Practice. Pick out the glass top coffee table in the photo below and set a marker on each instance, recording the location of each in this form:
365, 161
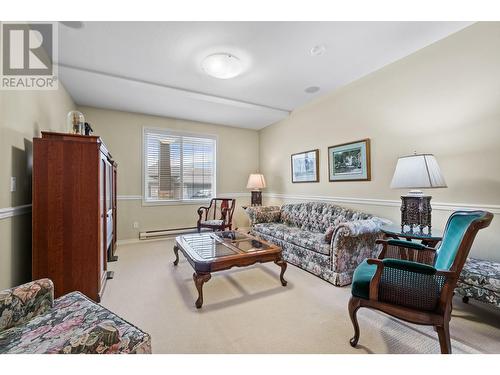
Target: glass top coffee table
218, 251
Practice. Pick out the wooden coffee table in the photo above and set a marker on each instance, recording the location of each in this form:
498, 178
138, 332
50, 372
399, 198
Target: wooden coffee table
218, 251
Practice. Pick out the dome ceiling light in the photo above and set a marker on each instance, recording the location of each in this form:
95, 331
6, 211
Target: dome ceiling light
312, 89
318, 50
222, 65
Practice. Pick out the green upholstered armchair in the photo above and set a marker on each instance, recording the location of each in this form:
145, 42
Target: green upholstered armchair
414, 282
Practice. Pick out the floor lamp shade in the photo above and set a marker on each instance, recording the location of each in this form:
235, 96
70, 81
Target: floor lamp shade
256, 182
419, 171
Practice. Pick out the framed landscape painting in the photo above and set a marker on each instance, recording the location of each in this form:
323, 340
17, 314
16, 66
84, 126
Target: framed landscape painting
349, 161
305, 166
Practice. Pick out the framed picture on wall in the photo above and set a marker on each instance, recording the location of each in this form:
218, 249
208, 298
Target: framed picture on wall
305, 166
349, 161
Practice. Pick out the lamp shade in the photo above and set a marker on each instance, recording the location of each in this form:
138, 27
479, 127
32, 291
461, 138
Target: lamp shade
419, 171
256, 181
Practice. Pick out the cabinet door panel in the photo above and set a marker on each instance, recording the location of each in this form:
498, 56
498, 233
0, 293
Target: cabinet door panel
102, 215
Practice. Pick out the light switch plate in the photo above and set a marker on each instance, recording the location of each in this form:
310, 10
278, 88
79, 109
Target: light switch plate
136, 225
13, 184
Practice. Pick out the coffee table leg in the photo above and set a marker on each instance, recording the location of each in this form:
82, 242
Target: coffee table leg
199, 280
176, 252
280, 262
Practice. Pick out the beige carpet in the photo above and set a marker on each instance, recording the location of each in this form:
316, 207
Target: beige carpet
246, 310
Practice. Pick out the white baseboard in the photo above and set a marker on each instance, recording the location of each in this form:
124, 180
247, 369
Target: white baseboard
127, 241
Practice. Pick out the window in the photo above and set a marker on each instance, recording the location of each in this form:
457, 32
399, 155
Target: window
178, 167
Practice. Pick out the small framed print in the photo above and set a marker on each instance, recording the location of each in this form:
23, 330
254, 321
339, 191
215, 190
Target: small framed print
305, 166
349, 161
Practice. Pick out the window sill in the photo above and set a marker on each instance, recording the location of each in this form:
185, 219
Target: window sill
193, 202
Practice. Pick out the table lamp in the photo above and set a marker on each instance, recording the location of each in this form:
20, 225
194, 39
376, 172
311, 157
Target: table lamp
418, 171
256, 182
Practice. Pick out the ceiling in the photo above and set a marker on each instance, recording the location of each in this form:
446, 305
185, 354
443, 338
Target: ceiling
155, 67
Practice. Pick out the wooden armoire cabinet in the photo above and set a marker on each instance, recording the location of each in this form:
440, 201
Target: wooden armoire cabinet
74, 212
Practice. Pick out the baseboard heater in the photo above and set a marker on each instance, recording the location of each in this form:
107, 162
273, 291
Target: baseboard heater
150, 234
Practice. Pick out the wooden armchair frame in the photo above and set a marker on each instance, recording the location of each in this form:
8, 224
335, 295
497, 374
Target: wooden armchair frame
440, 317
227, 206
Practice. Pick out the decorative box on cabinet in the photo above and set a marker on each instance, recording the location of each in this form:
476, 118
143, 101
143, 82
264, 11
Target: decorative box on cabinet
74, 211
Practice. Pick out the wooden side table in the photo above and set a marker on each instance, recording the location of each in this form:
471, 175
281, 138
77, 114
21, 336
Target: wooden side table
431, 239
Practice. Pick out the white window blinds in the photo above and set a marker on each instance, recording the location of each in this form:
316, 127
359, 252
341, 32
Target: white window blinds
178, 166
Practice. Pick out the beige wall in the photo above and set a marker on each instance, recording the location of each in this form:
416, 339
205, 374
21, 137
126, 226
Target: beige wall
237, 157
23, 114
443, 99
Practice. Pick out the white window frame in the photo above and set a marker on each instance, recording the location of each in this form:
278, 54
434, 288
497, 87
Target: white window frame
176, 202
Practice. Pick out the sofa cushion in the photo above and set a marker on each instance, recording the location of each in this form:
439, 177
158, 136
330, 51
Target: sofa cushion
318, 216
293, 214
92, 339
310, 240
276, 230
75, 325
361, 280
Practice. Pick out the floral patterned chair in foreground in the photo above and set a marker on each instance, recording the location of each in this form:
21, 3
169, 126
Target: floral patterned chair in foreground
414, 282
32, 322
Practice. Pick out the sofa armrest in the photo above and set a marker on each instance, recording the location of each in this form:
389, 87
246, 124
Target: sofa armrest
353, 242
263, 214
20, 304
359, 227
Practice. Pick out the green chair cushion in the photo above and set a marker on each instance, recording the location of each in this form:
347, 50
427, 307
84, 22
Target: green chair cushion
361, 280
408, 265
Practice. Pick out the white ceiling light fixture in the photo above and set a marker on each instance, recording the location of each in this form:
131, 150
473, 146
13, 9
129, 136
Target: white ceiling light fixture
318, 50
222, 65
312, 89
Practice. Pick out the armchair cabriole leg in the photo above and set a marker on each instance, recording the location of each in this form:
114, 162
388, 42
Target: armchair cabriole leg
444, 337
354, 305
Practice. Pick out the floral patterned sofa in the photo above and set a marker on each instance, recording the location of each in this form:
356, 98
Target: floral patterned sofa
324, 239
32, 322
